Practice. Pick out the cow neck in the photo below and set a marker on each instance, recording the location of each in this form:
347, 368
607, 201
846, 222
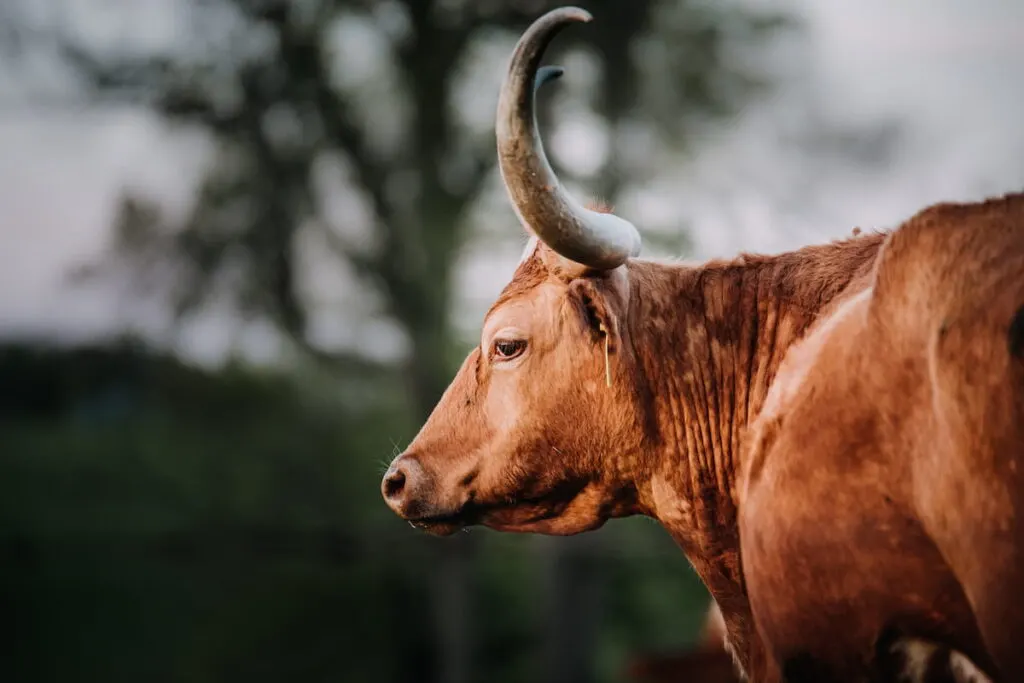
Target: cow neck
710, 340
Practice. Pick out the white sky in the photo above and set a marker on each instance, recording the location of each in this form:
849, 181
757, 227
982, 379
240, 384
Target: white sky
949, 70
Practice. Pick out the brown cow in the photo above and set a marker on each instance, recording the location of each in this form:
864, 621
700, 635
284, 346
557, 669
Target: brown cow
902, 413
605, 386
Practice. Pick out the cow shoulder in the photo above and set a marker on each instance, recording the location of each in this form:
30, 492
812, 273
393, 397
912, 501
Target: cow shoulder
946, 260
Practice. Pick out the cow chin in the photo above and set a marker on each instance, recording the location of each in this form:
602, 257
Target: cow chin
565, 512
438, 528
509, 517
561, 525
564, 517
444, 523
554, 526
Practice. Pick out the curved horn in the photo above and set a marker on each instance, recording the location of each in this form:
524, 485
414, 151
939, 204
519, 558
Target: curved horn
597, 240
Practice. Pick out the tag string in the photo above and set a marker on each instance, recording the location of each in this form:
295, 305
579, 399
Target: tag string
607, 362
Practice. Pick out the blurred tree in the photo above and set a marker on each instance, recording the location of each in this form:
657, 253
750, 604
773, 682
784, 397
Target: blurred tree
340, 143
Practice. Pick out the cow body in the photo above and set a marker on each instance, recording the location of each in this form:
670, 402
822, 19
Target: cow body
715, 352
881, 485
829, 434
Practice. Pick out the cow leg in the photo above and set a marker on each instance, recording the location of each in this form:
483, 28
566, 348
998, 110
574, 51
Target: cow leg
908, 659
969, 487
980, 541
1001, 621
899, 659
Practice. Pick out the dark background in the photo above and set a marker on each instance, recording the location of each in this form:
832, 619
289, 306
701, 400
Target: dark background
166, 519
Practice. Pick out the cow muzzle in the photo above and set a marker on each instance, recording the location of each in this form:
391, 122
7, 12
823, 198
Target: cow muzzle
410, 492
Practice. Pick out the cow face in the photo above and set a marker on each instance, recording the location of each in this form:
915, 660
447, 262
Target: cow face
538, 430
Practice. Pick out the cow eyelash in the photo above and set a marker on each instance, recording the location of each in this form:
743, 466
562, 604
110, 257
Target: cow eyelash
507, 349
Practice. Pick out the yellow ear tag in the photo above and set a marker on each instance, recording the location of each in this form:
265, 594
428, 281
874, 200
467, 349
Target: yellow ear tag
607, 363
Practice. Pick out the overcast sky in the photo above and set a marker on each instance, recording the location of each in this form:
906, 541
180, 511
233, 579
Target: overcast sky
948, 71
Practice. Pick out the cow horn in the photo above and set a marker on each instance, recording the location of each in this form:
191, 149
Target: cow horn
597, 240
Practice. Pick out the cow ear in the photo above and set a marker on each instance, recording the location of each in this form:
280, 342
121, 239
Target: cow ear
596, 311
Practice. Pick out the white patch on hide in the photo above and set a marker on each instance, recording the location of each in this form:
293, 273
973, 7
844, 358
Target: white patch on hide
918, 655
964, 669
671, 509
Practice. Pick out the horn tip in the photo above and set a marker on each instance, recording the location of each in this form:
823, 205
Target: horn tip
573, 14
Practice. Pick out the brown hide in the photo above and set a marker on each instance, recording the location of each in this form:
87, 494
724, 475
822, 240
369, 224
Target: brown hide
882, 484
879, 489
546, 446
542, 444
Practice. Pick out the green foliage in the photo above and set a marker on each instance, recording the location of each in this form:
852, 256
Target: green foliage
164, 523
227, 527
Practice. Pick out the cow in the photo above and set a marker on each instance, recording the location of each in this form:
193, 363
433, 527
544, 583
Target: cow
904, 406
738, 402
903, 660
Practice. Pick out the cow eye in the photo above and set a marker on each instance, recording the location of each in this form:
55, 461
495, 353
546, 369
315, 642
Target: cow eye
507, 349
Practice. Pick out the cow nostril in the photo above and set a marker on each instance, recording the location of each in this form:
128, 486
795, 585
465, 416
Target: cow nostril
402, 486
394, 483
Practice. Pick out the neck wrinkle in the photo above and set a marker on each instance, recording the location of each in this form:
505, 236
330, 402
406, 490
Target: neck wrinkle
709, 340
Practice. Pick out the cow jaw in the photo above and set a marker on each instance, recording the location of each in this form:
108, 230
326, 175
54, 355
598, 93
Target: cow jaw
586, 511
569, 510
438, 527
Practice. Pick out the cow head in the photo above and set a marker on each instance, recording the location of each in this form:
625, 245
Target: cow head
540, 430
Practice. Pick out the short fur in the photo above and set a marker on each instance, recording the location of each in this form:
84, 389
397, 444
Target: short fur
878, 489
903, 413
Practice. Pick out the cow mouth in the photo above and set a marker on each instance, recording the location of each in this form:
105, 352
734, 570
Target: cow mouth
441, 525
517, 514
508, 515
447, 522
